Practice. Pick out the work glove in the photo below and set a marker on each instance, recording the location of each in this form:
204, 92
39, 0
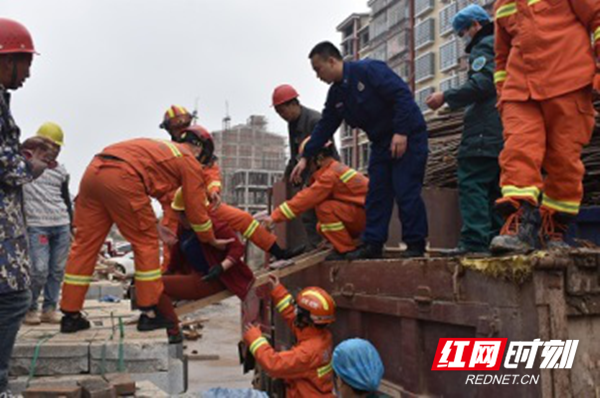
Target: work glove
214, 273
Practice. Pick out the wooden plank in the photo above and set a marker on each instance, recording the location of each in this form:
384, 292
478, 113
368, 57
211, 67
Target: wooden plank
301, 263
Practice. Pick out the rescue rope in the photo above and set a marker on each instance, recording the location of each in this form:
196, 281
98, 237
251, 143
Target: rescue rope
36, 354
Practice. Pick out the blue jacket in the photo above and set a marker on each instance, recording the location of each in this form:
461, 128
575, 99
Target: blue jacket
373, 98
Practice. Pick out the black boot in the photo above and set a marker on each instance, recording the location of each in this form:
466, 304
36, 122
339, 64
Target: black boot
554, 228
520, 231
285, 254
147, 323
335, 256
72, 322
414, 249
365, 252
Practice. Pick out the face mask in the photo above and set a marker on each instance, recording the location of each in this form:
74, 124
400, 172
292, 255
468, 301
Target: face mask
466, 39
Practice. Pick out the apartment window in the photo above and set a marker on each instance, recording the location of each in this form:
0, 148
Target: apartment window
379, 5
379, 25
380, 52
397, 13
423, 6
347, 155
451, 82
364, 155
424, 67
397, 44
421, 96
449, 55
463, 3
446, 15
463, 77
424, 33
346, 131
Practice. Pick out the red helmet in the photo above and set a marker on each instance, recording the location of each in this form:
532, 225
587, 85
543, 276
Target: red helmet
15, 38
318, 303
176, 116
198, 135
283, 94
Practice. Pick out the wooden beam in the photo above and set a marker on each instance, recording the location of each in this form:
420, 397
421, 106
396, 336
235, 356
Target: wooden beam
262, 278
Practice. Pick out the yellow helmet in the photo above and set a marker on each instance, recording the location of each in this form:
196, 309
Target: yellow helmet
178, 204
53, 132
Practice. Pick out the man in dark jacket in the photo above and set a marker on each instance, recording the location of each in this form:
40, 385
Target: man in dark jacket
301, 122
367, 94
478, 169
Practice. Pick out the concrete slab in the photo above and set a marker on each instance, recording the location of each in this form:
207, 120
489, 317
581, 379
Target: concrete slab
147, 389
140, 356
55, 358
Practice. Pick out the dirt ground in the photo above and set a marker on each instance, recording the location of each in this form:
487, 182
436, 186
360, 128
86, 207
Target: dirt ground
220, 336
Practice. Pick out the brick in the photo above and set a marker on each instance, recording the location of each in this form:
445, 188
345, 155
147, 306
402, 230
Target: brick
52, 392
122, 382
97, 387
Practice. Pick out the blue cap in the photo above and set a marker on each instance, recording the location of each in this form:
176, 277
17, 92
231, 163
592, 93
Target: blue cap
358, 364
465, 17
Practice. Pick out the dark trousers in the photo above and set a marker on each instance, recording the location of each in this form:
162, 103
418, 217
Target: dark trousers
13, 307
478, 189
402, 180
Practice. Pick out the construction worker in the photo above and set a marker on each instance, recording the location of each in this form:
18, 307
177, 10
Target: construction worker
19, 165
481, 143
357, 369
545, 68
306, 368
115, 189
301, 122
239, 220
337, 193
367, 94
199, 270
48, 210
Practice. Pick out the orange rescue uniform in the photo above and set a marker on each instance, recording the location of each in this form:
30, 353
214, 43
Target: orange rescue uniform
338, 194
116, 188
306, 368
545, 68
239, 220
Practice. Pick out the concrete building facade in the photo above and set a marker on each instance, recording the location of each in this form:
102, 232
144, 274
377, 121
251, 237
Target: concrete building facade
251, 160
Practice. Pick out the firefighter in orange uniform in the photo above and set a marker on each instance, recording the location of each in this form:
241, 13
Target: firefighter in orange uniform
115, 189
239, 220
545, 68
306, 368
338, 194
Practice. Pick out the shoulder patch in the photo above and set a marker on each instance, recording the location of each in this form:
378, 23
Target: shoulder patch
478, 64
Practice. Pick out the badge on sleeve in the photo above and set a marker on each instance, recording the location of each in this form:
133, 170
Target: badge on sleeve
361, 86
478, 64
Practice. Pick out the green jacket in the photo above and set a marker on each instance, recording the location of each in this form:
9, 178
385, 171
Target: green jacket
482, 134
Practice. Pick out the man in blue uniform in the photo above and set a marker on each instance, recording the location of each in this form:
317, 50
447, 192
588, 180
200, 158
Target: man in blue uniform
367, 94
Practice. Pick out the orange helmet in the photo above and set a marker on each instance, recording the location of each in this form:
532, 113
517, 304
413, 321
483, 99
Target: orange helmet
283, 94
327, 145
176, 116
15, 38
318, 303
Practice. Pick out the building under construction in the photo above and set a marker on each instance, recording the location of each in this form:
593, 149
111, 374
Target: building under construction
251, 160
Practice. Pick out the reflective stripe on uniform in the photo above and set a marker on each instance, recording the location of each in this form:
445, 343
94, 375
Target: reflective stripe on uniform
285, 209
597, 34
348, 175
562, 206
530, 192
251, 229
284, 303
333, 227
322, 371
319, 297
147, 276
176, 152
500, 76
214, 184
532, 2
202, 227
257, 344
79, 280
506, 10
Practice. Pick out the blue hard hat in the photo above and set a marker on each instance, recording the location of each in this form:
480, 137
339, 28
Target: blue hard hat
357, 363
465, 17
